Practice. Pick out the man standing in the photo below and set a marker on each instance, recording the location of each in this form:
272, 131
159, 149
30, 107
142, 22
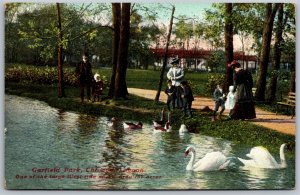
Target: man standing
85, 76
176, 75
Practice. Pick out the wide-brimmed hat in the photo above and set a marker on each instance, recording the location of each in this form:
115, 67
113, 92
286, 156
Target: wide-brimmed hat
174, 60
234, 64
96, 77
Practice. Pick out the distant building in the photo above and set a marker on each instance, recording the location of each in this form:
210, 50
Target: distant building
198, 57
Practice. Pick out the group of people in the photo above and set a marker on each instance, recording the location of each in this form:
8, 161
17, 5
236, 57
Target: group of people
239, 99
179, 92
87, 80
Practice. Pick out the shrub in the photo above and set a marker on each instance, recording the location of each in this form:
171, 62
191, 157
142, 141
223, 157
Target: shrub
212, 82
42, 75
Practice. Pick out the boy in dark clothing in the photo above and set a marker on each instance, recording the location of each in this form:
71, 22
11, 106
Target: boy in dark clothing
97, 87
85, 76
188, 98
219, 97
171, 93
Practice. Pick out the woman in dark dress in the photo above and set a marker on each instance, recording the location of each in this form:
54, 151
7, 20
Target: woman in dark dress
244, 101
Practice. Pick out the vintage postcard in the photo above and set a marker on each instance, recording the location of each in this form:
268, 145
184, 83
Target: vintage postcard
150, 96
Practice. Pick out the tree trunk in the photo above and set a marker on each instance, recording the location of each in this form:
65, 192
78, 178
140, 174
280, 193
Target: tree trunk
116, 9
61, 91
228, 46
271, 96
293, 77
265, 51
165, 57
120, 81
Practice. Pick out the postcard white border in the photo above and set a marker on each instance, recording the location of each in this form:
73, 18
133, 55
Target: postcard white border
175, 192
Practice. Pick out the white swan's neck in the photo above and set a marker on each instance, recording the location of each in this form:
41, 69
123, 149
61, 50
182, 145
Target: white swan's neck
192, 160
282, 156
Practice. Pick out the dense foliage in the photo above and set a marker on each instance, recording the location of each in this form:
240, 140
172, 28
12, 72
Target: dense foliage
42, 75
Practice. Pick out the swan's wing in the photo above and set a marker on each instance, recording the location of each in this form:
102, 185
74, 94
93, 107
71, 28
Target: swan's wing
262, 158
247, 163
210, 162
223, 166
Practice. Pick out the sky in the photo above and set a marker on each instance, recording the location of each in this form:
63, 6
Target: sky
191, 9
188, 9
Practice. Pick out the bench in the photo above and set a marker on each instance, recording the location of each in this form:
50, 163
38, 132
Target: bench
290, 102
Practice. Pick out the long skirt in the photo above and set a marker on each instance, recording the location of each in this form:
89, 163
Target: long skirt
244, 107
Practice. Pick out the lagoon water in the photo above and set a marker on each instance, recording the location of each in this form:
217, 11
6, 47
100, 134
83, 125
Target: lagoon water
47, 148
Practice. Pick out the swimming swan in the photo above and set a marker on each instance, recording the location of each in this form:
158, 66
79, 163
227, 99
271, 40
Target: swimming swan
261, 158
212, 161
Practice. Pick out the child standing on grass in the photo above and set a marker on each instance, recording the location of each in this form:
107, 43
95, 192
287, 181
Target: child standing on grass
219, 102
188, 98
230, 101
171, 93
97, 87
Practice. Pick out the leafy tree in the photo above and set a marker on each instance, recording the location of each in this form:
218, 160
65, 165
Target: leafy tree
116, 10
216, 61
183, 31
120, 82
214, 25
277, 56
289, 42
143, 32
228, 45
13, 47
61, 90
265, 50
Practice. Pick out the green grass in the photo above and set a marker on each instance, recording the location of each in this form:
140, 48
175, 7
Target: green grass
149, 79
146, 79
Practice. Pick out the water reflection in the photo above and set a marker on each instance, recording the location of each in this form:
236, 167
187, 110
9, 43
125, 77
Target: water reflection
41, 136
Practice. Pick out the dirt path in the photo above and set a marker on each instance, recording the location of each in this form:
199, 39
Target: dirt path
267, 119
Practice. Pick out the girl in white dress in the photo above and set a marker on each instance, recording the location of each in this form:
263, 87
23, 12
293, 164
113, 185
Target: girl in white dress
230, 101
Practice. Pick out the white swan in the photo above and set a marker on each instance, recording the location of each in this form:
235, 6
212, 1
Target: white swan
212, 161
261, 158
182, 129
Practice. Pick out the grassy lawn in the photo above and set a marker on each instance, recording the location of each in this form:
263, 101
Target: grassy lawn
149, 79
146, 79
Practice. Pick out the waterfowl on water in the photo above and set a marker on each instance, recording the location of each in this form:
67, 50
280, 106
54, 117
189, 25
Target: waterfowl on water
112, 122
130, 125
260, 157
166, 128
161, 122
212, 161
183, 129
